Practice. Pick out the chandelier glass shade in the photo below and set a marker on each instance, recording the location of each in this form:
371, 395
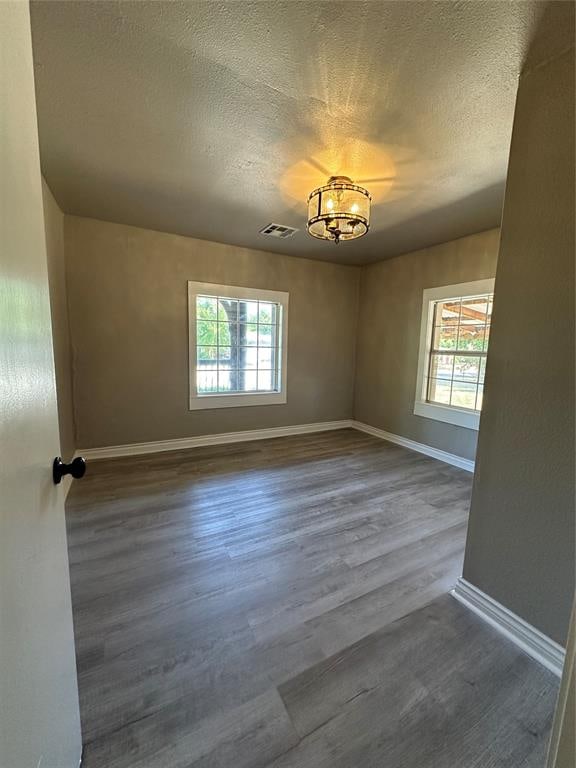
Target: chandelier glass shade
340, 210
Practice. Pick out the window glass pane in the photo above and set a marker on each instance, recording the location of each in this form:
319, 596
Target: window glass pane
463, 394
265, 335
445, 337
265, 380
225, 380
206, 333
250, 379
471, 337
266, 312
207, 354
224, 356
248, 334
460, 325
439, 391
448, 312
228, 310
237, 380
266, 357
441, 366
248, 311
225, 333
206, 308
474, 310
466, 368
482, 369
237, 345
247, 357
207, 381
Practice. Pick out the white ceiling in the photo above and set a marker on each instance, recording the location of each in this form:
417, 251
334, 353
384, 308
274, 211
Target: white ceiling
212, 119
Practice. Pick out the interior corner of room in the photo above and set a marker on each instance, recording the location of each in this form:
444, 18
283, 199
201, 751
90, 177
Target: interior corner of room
299, 449
120, 316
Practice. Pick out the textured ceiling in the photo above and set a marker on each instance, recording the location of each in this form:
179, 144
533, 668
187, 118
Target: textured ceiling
212, 119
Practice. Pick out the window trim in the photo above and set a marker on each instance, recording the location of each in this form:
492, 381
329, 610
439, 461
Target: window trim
235, 399
450, 414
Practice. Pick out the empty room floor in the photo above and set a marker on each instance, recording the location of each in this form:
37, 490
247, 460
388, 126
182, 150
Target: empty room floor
284, 604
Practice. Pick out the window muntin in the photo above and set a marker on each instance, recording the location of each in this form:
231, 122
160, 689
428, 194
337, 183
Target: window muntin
237, 341
457, 358
237, 345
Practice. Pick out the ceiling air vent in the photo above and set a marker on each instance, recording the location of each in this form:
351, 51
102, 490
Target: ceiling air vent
278, 230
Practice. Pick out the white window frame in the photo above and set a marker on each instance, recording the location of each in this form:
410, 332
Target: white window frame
236, 399
451, 414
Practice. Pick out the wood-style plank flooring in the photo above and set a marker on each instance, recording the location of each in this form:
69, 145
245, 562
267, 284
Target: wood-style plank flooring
283, 604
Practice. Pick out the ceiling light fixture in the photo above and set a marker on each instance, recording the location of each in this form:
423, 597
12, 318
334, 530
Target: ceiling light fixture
340, 210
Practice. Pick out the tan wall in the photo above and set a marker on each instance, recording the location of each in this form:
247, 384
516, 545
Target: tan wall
54, 228
389, 336
520, 547
128, 318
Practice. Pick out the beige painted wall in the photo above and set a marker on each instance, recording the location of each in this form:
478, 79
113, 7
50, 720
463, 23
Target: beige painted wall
54, 228
39, 715
389, 336
128, 319
520, 547
129, 284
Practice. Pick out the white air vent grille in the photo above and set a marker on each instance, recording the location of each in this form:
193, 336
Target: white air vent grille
278, 230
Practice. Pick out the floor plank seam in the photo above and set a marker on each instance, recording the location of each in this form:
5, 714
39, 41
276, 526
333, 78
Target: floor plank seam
285, 605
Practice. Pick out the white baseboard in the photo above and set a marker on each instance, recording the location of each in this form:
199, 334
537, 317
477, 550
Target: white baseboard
179, 444
136, 449
524, 635
435, 453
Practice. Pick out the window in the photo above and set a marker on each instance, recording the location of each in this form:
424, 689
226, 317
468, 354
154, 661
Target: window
237, 346
453, 345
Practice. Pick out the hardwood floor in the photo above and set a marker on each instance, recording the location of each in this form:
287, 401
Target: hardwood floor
282, 604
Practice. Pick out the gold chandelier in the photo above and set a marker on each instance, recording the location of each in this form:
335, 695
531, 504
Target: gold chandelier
340, 210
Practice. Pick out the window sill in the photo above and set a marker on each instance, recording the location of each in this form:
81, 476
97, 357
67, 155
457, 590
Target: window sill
448, 414
209, 402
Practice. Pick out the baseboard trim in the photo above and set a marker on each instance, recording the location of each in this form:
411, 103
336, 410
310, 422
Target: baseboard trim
158, 446
179, 444
428, 450
524, 635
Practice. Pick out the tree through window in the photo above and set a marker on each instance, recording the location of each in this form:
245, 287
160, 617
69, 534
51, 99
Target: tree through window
238, 344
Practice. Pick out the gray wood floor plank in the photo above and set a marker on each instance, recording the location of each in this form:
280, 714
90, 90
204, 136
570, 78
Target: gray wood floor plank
283, 603
387, 700
246, 736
